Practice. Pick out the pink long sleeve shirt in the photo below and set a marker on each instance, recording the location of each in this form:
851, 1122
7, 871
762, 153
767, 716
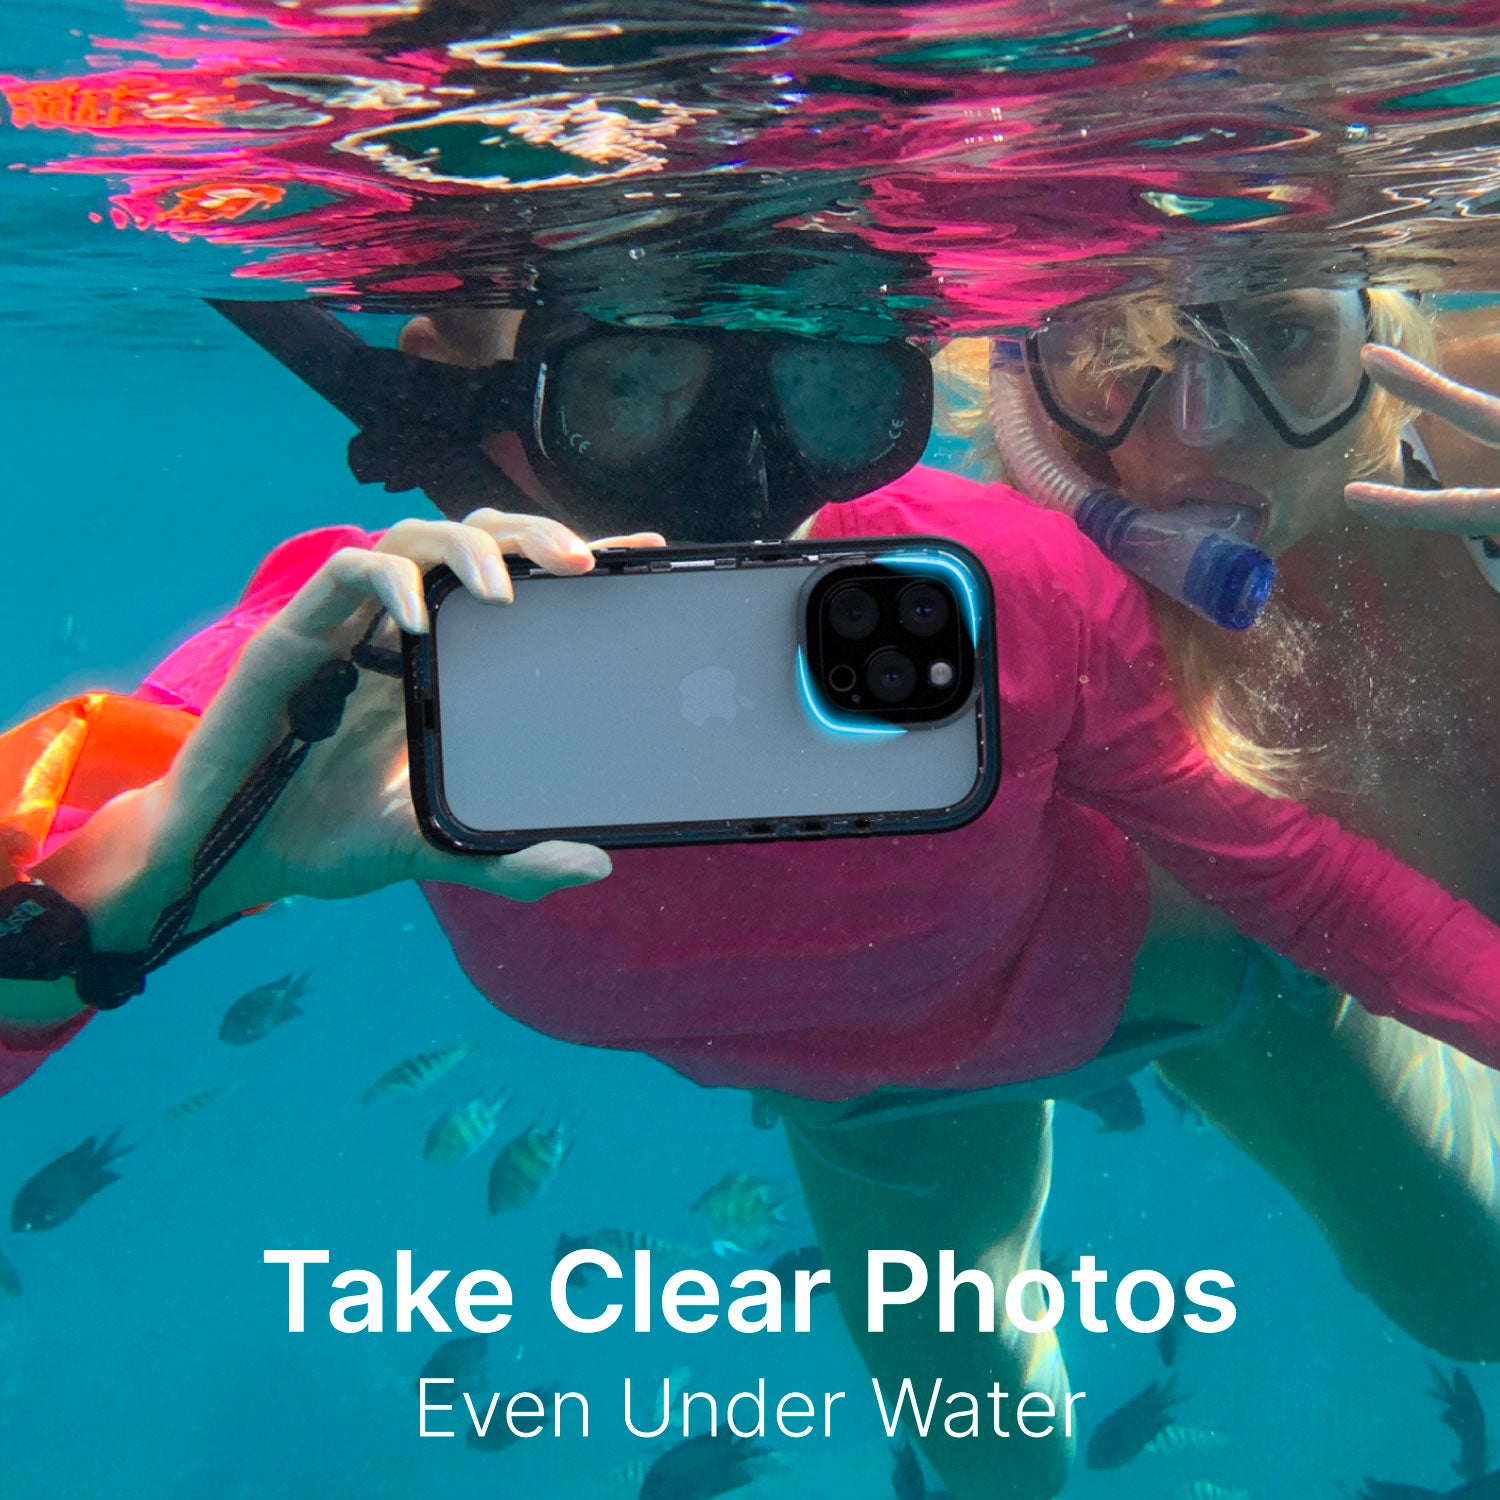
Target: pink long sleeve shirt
999, 952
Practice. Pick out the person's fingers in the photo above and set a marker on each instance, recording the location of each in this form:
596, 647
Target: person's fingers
348, 581
1463, 512
548, 543
475, 549
630, 539
248, 715
470, 551
1473, 412
525, 876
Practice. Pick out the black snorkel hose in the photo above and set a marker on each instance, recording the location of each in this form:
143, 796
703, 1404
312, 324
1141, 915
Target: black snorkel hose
420, 422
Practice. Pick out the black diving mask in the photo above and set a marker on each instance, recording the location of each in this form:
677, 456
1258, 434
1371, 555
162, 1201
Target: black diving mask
1293, 356
703, 434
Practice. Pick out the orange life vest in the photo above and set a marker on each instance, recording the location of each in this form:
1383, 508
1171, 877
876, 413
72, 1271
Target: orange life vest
78, 754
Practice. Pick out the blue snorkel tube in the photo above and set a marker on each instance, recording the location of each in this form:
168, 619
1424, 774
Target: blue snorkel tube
1215, 573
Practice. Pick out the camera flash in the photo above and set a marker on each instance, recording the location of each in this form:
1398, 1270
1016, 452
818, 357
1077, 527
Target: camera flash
940, 674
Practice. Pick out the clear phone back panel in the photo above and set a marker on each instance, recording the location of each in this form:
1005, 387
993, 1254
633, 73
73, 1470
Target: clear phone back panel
650, 698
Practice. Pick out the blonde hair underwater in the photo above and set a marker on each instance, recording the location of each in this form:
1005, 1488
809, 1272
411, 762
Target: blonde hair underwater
1234, 712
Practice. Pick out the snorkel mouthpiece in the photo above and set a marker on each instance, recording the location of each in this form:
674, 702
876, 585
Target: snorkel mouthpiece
1213, 572
1224, 579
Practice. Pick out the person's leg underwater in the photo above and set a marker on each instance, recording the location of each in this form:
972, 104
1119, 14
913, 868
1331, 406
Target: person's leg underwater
1390, 1140
974, 1181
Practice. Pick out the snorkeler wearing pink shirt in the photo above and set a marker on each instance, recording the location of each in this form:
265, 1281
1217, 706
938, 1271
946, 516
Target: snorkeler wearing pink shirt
1025, 948
1013, 962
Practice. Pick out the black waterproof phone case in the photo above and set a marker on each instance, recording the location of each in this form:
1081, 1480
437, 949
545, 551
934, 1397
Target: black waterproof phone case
708, 695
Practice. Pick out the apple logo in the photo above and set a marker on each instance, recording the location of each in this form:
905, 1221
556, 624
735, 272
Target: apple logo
708, 694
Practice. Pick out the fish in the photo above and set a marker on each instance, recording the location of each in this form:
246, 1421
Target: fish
419, 1071
907, 1479
743, 1212
1485, 1487
622, 1245
785, 1267
460, 1360
10, 1282
1169, 1340
1206, 1489
62, 1187
701, 1467
1175, 1439
1463, 1414
260, 1011
527, 1166
498, 1435
195, 1104
465, 1129
1125, 1433
463, 1361
1117, 1108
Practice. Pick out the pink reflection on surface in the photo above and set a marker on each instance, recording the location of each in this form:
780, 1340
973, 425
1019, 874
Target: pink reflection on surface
1028, 153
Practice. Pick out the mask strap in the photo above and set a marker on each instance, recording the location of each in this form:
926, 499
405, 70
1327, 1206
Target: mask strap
419, 421
472, 480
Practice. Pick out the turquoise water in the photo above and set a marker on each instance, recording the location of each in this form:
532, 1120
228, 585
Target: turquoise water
148, 1357
152, 458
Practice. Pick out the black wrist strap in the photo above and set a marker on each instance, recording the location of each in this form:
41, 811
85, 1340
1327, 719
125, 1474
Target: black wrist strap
42, 934
53, 939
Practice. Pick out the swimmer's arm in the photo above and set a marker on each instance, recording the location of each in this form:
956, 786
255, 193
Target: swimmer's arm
1334, 903
344, 824
99, 870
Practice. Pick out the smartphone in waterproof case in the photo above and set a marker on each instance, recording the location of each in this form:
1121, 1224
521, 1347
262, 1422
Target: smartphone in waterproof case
708, 694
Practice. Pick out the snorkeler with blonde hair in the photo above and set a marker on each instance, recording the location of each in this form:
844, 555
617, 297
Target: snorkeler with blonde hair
888, 1068
1366, 691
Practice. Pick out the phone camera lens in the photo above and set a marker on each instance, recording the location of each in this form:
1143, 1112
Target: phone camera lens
923, 609
891, 675
853, 613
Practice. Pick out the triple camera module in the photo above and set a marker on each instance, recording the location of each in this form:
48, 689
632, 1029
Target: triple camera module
889, 644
